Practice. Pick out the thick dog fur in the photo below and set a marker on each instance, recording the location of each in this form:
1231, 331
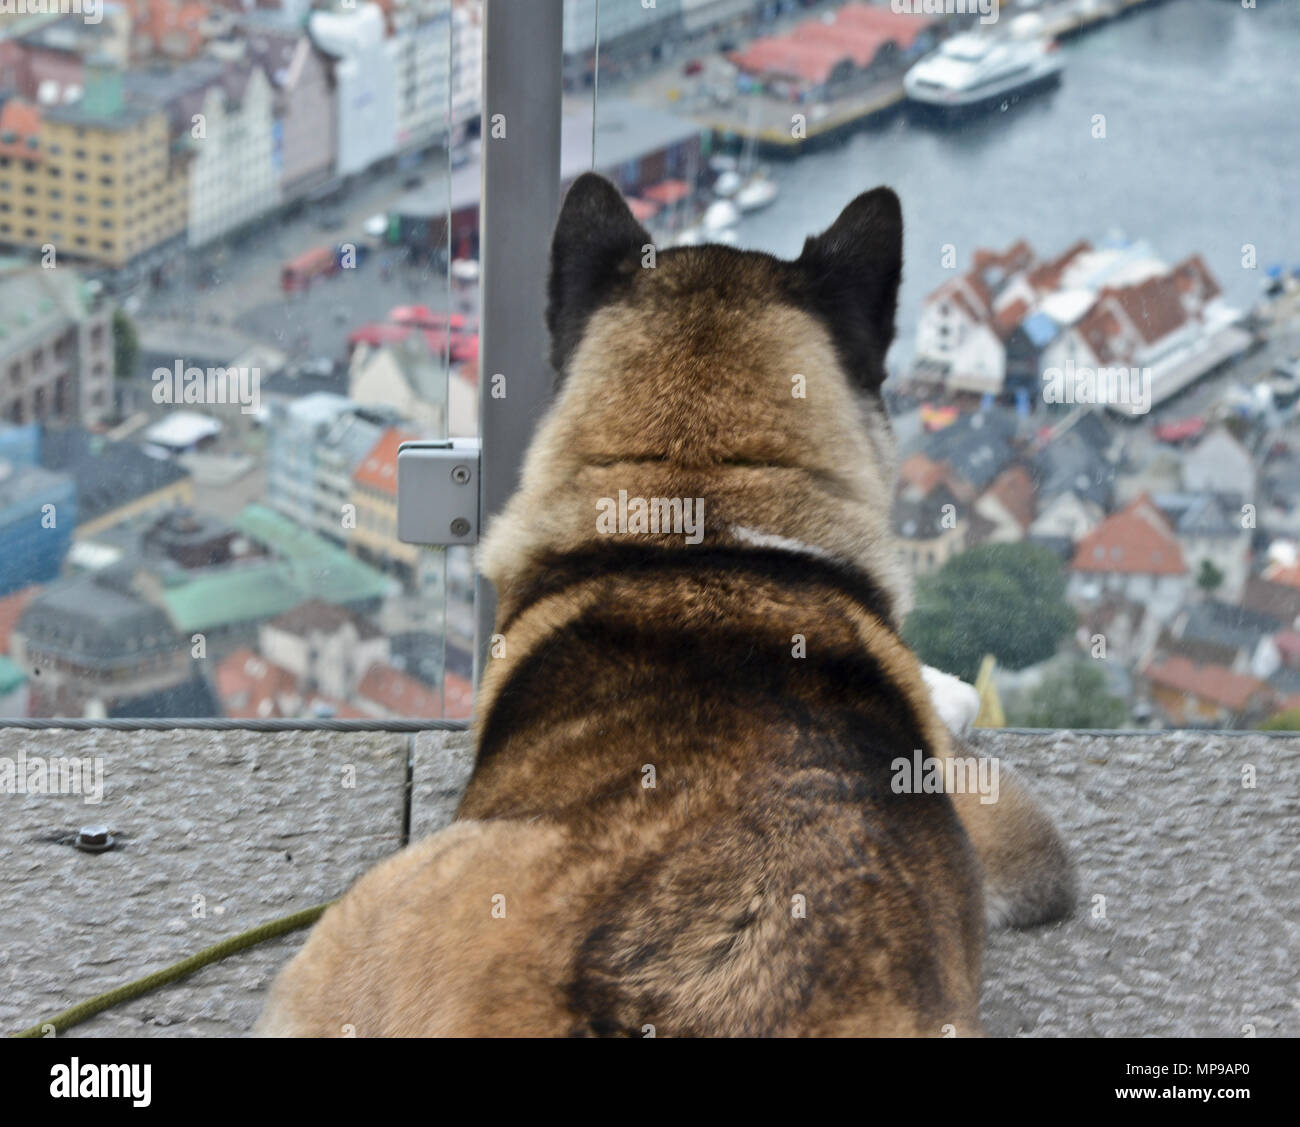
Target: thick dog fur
681, 815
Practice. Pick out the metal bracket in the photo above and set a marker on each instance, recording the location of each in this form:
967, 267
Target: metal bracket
438, 492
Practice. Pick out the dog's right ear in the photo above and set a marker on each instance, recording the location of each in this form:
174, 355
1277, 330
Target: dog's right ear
597, 247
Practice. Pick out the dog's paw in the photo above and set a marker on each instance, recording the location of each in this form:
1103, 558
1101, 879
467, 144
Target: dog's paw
956, 702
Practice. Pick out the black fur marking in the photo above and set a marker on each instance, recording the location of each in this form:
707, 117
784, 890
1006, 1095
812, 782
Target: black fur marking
595, 254
721, 668
849, 276
789, 568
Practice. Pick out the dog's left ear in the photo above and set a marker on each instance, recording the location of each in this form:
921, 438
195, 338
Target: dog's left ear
597, 246
849, 275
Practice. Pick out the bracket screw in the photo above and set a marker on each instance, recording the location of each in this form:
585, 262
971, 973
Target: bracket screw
460, 475
460, 527
93, 839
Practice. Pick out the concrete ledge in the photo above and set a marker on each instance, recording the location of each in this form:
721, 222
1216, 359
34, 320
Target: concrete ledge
258, 825
1198, 873
1200, 885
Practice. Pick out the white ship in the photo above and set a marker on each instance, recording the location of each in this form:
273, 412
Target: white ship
971, 72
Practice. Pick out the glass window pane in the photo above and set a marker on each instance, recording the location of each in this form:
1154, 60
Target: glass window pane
207, 365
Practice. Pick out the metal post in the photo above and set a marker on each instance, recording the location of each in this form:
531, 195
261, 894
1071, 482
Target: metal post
523, 65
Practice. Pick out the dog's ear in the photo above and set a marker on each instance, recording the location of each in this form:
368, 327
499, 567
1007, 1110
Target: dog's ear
597, 248
849, 275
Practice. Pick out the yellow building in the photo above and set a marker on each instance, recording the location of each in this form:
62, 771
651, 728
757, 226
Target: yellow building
97, 180
374, 492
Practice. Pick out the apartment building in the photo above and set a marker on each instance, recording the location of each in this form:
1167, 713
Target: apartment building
375, 495
304, 110
222, 117
95, 179
365, 83
56, 347
437, 51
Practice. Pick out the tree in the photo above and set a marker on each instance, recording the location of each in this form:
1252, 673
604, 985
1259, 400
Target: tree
1003, 599
1073, 697
126, 346
1286, 721
1209, 577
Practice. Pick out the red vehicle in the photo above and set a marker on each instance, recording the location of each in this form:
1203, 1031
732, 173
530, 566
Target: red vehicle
299, 273
422, 317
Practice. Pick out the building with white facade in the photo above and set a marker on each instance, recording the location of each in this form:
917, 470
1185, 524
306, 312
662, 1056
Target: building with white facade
437, 50
366, 78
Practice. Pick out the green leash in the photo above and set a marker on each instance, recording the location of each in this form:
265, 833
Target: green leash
218, 951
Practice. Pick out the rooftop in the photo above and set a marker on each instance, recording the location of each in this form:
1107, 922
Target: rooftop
625, 132
1135, 540
108, 474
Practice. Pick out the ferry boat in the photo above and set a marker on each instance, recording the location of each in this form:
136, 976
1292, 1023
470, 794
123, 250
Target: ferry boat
969, 73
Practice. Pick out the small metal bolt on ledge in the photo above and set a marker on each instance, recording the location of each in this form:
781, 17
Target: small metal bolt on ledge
93, 839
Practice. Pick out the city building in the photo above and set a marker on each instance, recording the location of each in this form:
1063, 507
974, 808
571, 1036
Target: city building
437, 52
1219, 464
56, 347
365, 83
1188, 694
1211, 529
90, 641
410, 375
1010, 320
95, 176
294, 430
324, 647
38, 514
1134, 553
114, 480
375, 495
222, 119
638, 147
279, 567
304, 107
823, 58
252, 688
1008, 506
390, 694
342, 448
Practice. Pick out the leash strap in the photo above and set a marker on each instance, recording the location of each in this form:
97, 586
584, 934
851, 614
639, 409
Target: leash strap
214, 954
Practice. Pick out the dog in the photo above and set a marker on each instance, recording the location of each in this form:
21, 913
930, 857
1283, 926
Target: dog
683, 817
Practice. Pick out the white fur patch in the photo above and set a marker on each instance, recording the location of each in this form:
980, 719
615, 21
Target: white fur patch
956, 702
756, 539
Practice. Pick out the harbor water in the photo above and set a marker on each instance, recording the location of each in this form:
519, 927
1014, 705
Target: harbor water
1179, 125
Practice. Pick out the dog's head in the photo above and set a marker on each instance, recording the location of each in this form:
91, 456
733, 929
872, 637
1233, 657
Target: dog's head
847, 278
706, 372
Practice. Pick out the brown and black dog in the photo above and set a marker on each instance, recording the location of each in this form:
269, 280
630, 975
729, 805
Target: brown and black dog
683, 817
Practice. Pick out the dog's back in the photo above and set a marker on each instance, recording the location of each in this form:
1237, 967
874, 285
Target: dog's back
682, 816
703, 841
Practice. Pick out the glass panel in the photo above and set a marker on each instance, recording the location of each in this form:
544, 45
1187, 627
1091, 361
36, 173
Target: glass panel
1095, 379
237, 288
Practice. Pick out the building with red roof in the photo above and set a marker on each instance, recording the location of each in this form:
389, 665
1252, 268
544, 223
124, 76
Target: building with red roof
1135, 553
374, 493
1189, 694
819, 56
